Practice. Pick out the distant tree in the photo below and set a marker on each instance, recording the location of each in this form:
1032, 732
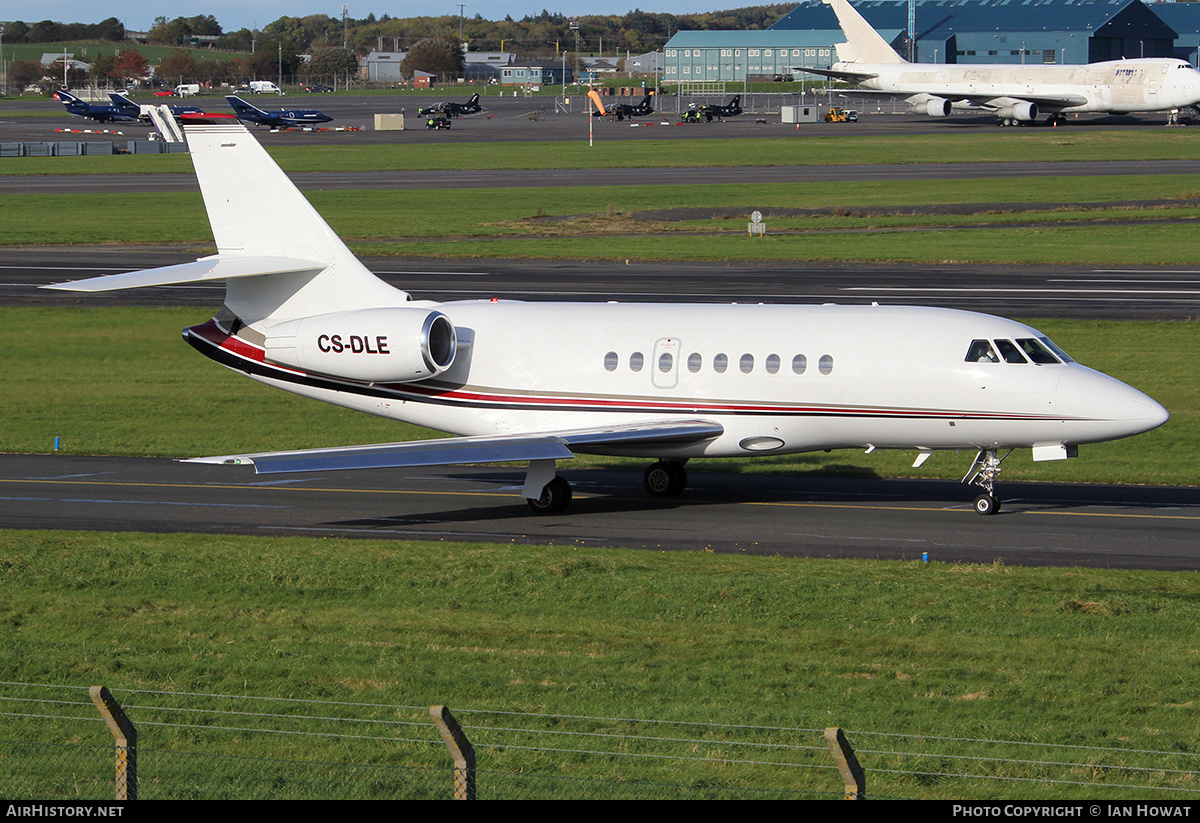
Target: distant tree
47, 31
111, 29
102, 67
436, 55
177, 65
61, 73
25, 72
332, 62
130, 66
268, 58
16, 31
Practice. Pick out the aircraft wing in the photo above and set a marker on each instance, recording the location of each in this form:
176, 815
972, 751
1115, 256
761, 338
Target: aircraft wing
1046, 101
503, 448
847, 76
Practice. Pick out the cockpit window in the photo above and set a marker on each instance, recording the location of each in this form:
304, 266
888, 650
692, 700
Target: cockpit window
1037, 352
1010, 352
981, 351
1059, 353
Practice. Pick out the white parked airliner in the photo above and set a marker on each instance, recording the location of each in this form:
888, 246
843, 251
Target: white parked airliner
1014, 93
540, 382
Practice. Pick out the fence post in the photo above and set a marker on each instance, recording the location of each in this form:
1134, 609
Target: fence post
126, 736
853, 776
461, 750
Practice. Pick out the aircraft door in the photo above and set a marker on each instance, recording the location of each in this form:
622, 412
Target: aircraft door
664, 368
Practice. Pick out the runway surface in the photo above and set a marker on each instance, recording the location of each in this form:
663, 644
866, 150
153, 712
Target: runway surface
1015, 291
1040, 524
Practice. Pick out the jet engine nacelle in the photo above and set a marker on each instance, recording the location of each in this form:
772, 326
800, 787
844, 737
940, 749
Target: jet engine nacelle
937, 107
385, 345
1023, 111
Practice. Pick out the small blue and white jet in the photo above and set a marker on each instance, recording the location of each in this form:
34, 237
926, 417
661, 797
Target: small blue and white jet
120, 110
285, 118
541, 382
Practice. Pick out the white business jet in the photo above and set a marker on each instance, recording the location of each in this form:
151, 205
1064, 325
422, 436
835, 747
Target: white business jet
540, 382
1014, 93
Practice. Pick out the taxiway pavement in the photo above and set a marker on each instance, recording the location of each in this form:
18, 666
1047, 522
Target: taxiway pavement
805, 516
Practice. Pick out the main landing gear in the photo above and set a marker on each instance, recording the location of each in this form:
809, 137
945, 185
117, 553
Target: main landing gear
547, 493
666, 478
983, 473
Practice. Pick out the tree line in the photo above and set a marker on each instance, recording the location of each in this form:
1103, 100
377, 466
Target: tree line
333, 47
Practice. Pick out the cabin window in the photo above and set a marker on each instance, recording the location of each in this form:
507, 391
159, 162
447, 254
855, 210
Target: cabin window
1037, 352
981, 351
610, 361
636, 360
695, 361
799, 364
825, 364
665, 362
1010, 352
772, 364
746, 364
720, 363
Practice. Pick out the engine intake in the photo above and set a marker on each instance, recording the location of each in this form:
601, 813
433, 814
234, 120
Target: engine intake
386, 345
937, 107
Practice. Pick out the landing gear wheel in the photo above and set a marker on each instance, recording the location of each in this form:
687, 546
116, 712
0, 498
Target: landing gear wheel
665, 479
555, 497
986, 504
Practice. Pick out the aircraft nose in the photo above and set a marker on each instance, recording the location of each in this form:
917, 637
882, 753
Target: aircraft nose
1096, 407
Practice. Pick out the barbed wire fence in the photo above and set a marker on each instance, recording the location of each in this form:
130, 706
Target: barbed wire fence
55, 744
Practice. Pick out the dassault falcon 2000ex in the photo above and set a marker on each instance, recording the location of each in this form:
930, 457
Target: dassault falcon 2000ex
540, 382
1015, 93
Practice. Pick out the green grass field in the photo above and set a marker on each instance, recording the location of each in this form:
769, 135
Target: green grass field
600, 222
1069, 656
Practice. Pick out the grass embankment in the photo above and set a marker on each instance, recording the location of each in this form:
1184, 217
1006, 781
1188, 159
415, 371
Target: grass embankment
120, 381
986, 652
600, 222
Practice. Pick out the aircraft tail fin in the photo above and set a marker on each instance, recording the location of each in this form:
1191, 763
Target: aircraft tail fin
866, 45
278, 257
242, 107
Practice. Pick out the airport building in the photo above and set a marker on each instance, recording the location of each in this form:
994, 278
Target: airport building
946, 31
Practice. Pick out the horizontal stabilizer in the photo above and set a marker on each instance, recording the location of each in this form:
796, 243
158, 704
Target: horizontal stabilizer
486, 449
198, 271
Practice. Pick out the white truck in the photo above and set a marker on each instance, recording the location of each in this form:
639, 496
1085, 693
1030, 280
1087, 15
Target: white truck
264, 87
187, 89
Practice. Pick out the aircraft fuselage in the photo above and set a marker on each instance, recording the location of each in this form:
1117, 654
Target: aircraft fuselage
813, 377
1122, 86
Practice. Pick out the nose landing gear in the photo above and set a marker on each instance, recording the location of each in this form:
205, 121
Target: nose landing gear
983, 473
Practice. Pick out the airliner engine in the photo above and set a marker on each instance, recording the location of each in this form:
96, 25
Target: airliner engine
937, 107
1023, 111
384, 345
